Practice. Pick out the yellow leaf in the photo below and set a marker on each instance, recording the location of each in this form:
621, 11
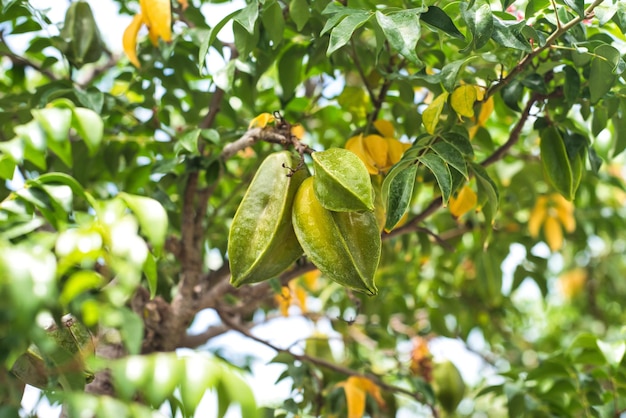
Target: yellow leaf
355, 397
310, 279
355, 144
480, 92
300, 295
572, 282
129, 40
486, 110
356, 389
462, 100
297, 130
564, 211
283, 300
261, 121
553, 233
385, 128
371, 389
537, 216
396, 149
184, 4
377, 148
430, 117
463, 202
158, 17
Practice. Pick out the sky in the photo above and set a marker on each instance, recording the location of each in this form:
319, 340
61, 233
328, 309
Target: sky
283, 332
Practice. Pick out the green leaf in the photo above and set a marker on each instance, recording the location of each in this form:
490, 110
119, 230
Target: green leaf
131, 330
290, 69
571, 84
613, 351
460, 142
7, 167
599, 119
188, 142
151, 216
341, 34
239, 392
512, 94
577, 5
441, 171
601, 75
402, 30
89, 126
605, 11
208, 41
247, 17
130, 374
78, 283
201, 373
14, 149
619, 127
450, 71
166, 374
555, 162
41, 201
92, 98
299, 12
273, 23
479, 20
510, 35
430, 117
397, 194
437, 18
488, 197
55, 122
452, 156
150, 271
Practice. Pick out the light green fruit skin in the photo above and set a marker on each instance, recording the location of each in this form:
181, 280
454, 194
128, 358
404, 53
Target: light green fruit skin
261, 242
342, 182
82, 43
345, 246
448, 385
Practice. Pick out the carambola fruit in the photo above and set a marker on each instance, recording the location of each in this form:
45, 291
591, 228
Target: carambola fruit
448, 385
262, 243
345, 246
342, 182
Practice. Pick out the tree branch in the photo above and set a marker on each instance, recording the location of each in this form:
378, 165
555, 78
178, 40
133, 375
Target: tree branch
549, 41
419, 397
18, 60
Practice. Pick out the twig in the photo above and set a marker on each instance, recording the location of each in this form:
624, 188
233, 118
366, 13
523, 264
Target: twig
515, 133
551, 39
16, 59
328, 365
97, 71
556, 15
254, 135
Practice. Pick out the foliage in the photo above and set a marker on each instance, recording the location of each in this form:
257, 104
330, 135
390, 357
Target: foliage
493, 136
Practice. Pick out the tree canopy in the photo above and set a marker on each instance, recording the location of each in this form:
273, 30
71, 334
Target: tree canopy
407, 172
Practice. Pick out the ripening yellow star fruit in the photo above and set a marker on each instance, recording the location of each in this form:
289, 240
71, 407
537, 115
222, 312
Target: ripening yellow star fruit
378, 152
157, 16
463, 202
555, 214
